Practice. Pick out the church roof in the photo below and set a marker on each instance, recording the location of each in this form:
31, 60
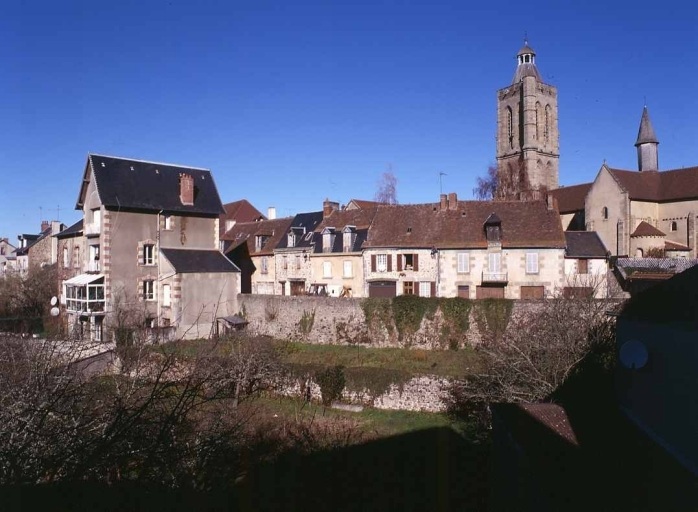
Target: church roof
526, 50
646, 133
646, 229
664, 186
571, 199
524, 70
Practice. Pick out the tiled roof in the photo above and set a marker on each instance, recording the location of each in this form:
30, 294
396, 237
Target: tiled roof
571, 199
659, 186
195, 261
646, 229
149, 186
362, 203
245, 232
239, 211
523, 224
584, 244
673, 246
629, 266
72, 231
674, 300
339, 219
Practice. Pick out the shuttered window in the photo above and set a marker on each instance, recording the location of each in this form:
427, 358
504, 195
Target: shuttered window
531, 262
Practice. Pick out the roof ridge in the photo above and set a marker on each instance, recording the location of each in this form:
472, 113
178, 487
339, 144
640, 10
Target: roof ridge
149, 162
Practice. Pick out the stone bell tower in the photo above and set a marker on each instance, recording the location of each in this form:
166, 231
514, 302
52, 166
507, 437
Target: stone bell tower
528, 150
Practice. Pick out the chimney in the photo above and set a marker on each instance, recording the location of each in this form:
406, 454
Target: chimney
452, 201
45, 225
328, 207
443, 202
186, 189
271, 212
56, 227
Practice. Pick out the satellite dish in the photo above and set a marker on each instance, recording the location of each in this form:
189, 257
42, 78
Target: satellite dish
633, 354
55, 311
54, 300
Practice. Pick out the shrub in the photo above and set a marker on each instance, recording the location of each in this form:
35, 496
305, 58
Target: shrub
331, 381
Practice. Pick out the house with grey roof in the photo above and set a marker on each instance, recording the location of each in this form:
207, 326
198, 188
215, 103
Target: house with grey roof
586, 266
151, 248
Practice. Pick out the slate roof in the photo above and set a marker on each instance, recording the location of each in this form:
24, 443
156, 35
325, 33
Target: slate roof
646, 229
646, 133
571, 199
658, 186
524, 224
304, 223
138, 185
627, 267
72, 231
584, 244
197, 261
245, 232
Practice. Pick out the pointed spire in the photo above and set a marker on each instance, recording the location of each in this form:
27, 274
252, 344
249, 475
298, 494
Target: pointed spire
646, 133
526, 59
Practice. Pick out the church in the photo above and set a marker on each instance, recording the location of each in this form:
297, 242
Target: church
636, 213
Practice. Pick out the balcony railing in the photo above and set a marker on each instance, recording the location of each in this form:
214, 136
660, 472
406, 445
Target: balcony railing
494, 277
92, 266
91, 228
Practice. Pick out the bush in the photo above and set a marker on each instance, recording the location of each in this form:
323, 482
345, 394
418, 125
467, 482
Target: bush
331, 381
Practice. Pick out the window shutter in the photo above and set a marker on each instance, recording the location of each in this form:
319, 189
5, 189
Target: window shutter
415, 260
433, 289
399, 262
416, 288
390, 262
373, 262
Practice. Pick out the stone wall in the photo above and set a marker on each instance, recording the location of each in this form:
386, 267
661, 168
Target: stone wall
424, 393
341, 321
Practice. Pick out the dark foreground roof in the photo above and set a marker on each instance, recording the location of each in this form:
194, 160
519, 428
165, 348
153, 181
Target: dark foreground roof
571, 199
194, 261
72, 231
584, 244
151, 186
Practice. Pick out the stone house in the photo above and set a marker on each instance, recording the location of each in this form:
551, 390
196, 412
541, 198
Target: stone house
586, 265
293, 266
470, 249
7, 256
337, 262
238, 211
71, 245
134, 212
250, 245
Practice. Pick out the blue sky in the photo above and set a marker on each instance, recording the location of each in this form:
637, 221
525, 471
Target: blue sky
292, 102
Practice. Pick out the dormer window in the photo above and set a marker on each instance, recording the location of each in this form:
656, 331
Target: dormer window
291, 239
348, 238
328, 238
259, 242
493, 229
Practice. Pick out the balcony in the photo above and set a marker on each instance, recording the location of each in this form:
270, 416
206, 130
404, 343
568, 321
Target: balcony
91, 228
92, 266
495, 277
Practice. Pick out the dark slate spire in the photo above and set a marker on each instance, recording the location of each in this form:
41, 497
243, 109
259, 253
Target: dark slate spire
646, 133
526, 64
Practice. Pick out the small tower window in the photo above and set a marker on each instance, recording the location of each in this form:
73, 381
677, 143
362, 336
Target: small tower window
546, 128
510, 127
604, 213
674, 226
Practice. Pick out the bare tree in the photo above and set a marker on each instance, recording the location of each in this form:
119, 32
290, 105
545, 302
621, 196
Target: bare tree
508, 182
540, 351
387, 188
486, 188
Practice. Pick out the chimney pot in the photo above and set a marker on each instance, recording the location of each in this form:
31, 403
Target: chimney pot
44, 225
271, 213
328, 207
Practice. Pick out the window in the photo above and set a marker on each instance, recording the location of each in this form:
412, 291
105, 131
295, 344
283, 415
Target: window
493, 233
76, 257
66, 258
298, 261
291, 239
425, 289
326, 269
464, 291
510, 127
604, 213
408, 288
494, 261
582, 266
463, 262
96, 217
259, 242
546, 128
148, 254
410, 262
382, 262
284, 262
531, 262
168, 222
166, 295
674, 226
149, 290
265, 265
348, 269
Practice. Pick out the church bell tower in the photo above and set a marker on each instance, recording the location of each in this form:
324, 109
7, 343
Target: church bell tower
528, 150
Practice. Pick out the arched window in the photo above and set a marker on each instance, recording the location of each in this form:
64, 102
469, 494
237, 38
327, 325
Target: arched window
538, 121
674, 226
510, 127
604, 213
546, 128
